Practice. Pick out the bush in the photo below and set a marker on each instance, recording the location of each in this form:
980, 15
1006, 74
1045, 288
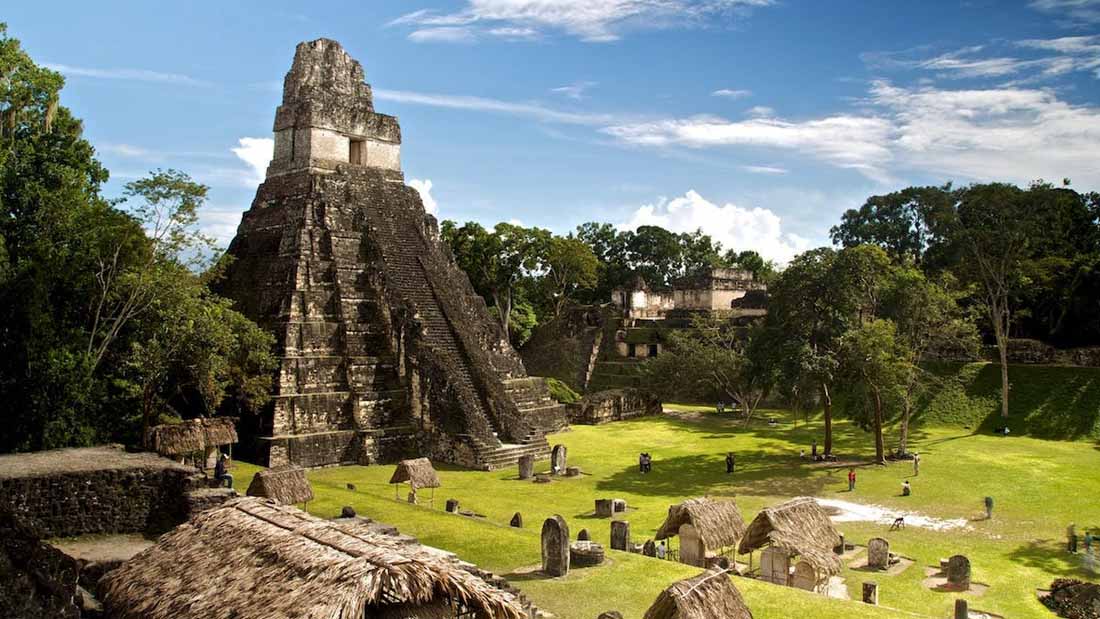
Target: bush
562, 392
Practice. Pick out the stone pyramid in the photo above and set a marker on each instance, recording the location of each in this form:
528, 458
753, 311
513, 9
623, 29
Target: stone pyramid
385, 350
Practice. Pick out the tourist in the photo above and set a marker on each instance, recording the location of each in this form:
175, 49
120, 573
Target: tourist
641, 462
220, 474
851, 480
801, 454
906, 489
647, 462
1088, 541
988, 508
916, 463
730, 463
813, 450
1071, 538
662, 551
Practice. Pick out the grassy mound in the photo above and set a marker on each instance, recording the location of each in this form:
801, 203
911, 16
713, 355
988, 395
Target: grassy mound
1051, 402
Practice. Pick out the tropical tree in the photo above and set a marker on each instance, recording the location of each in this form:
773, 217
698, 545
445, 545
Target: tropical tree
710, 360
805, 319
496, 261
570, 267
929, 321
874, 362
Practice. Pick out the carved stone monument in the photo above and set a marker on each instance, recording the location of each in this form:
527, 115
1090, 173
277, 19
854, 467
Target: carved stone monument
878, 553
527, 467
618, 505
555, 546
583, 536
958, 572
870, 593
585, 554
516, 521
558, 463
620, 535
452, 506
649, 549
604, 508
962, 609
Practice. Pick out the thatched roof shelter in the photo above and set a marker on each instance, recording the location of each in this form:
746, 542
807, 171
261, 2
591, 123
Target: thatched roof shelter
418, 472
254, 559
718, 522
710, 594
285, 484
192, 435
799, 527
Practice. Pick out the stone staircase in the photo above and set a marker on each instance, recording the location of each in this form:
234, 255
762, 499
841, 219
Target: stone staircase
533, 399
499, 582
492, 457
593, 341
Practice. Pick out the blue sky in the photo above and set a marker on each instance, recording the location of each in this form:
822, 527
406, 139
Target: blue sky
760, 121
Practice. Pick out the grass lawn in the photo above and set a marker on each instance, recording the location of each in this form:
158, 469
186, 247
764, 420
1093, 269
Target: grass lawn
1039, 487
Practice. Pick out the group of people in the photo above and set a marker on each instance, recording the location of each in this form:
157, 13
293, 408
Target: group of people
1071, 539
645, 463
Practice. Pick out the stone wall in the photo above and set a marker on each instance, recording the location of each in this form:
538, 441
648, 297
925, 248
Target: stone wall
1035, 352
72, 492
614, 405
36, 580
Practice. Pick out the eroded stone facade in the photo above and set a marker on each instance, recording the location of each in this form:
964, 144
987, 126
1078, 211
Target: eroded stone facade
385, 350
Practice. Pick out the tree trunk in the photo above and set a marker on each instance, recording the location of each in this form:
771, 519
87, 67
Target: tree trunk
1000, 332
903, 440
880, 447
827, 404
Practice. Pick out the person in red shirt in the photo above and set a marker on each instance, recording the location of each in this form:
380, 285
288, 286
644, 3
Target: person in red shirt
851, 480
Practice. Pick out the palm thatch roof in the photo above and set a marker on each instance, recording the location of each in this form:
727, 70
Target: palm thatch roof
800, 527
710, 594
286, 485
418, 472
254, 559
718, 522
219, 430
192, 435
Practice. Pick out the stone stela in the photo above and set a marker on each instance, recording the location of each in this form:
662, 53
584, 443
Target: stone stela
555, 546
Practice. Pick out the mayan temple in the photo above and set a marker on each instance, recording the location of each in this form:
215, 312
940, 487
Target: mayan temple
384, 348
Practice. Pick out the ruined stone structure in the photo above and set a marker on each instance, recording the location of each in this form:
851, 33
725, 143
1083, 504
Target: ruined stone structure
385, 349
101, 491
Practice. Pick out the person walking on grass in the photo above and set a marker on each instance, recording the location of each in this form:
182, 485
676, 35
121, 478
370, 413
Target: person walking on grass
852, 480
989, 508
1071, 538
731, 463
916, 463
906, 489
1088, 541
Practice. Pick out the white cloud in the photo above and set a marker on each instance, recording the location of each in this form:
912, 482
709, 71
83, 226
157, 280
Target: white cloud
257, 153
731, 94
601, 21
855, 142
1072, 12
574, 90
764, 169
761, 111
137, 75
443, 34
511, 33
735, 227
424, 188
1014, 134
464, 102
128, 150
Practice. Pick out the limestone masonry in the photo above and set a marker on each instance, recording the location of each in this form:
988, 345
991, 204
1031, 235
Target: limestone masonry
385, 349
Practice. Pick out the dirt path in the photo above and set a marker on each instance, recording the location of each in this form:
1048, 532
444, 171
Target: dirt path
846, 511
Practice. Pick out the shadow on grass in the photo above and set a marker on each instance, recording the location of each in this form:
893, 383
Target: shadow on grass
758, 473
1050, 556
